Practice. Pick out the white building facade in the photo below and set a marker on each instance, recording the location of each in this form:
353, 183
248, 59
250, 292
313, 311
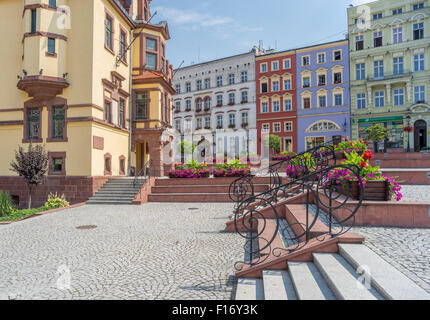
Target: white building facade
215, 103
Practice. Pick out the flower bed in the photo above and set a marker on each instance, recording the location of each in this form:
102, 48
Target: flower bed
348, 146
189, 171
283, 156
232, 169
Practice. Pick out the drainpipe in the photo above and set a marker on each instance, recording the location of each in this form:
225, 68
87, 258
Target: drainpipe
130, 107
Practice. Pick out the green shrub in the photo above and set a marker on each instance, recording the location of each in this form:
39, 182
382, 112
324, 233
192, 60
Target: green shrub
55, 202
6, 204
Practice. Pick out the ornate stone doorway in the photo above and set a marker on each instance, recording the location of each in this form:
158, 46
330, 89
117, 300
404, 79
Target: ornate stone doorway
420, 135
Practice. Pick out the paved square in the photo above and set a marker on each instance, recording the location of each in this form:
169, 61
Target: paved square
154, 251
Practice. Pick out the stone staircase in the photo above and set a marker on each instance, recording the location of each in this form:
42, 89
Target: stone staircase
198, 190
117, 191
331, 269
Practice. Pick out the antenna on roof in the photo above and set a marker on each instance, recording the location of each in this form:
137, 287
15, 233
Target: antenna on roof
178, 68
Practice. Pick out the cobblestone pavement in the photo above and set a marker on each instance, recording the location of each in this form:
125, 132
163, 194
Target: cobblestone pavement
408, 250
155, 251
416, 193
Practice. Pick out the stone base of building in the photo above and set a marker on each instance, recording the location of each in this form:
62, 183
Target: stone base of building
75, 189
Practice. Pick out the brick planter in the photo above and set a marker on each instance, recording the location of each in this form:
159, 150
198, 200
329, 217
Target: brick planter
373, 191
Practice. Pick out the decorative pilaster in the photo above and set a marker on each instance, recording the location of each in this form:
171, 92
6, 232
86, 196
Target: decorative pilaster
389, 93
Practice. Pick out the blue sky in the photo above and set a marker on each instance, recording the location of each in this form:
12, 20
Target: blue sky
203, 30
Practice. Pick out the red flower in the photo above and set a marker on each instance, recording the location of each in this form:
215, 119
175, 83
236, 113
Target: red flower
366, 142
363, 164
367, 155
346, 139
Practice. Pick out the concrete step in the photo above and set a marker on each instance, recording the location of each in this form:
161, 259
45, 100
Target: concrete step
189, 197
207, 181
387, 280
113, 197
249, 289
107, 202
118, 191
200, 189
342, 278
308, 282
278, 285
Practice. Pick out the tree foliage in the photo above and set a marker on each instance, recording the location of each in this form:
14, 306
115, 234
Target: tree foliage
275, 142
186, 147
377, 133
32, 165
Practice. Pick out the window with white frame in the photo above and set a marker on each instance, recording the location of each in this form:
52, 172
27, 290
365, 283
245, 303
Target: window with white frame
321, 80
198, 123
399, 97
188, 86
360, 71
244, 76
287, 64
419, 62
378, 69
379, 99
418, 31
419, 94
287, 84
178, 106
288, 105
337, 55
275, 66
275, 86
276, 127
337, 77
188, 125
323, 126
207, 83
178, 88
338, 99
231, 78
199, 84
219, 81
178, 124
361, 101
306, 103
359, 42
244, 118
263, 67
244, 96
264, 107
265, 127
219, 121
288, 126
219, 101
397, 35
418, 6
276, 107
306, 61
231, 97
306, 82
377, 39
397, 11
232, 120
322, 101
321, 58
207, 122
398, 65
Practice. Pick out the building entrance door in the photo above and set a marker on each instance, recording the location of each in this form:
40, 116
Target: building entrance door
420, 135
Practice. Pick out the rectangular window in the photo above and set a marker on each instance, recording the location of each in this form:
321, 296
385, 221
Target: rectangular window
377, 16
51, 46
207, 122
398, 65
379, 99
53, 3
277, 127
321, 57
263, 67
321, 80
288, 105
231, 99
244, 96
377, 39
244, 118
397, 11
360, 71
265, 127
142, 106
198, 123
338, 77
188, 86
263, 87
399, 97
306, 61
337, 55
33, 125
151, 61
187, 105
361, 101
418, 31
122, 113
419, 62
123, 46
57, 165
287, 84
306, 82
58, 122
151, 44
199, 84
178, 106
232, 120
178, 124
359, 43
287, 64
207, 83
275, 66
108, 33
178, 89
276, 107
306, 103
33, 20
108, 112
418, 6
219, 81
398, 35
419, 94
219, 121
264, 107
219, 101
338, 100
275, 86
231, 78
288, 126
244, 76
379, 69
322, 101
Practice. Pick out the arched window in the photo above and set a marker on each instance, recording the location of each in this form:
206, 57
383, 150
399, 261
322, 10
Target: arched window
322, 126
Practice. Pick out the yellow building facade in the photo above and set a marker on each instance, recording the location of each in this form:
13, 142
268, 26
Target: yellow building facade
72, 82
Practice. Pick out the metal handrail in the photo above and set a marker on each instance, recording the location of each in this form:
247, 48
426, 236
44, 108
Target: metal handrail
144, 172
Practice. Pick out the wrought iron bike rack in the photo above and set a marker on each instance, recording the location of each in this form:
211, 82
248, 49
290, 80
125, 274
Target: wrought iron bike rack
314, 179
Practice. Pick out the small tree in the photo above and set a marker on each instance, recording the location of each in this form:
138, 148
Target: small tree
377, 133
31, 165
275, 142
186, 147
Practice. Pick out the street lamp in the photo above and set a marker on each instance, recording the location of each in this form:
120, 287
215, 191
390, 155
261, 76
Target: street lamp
408, 129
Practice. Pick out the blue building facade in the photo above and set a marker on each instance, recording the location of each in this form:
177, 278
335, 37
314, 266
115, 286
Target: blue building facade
323, 96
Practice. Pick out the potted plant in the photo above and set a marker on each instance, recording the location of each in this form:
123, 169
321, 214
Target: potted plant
348, 146
284, 156
377, 186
